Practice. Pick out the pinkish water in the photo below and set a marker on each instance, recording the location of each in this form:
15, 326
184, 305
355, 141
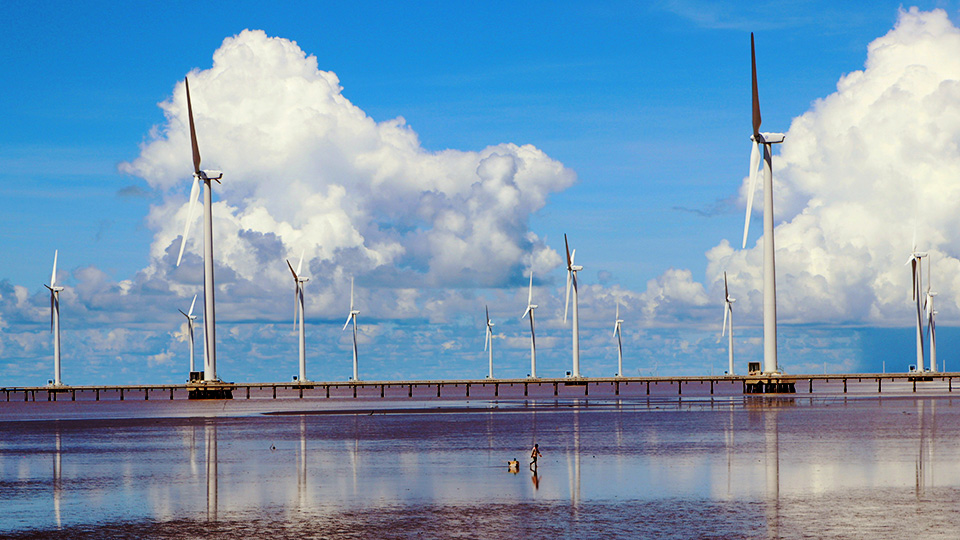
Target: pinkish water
731, 467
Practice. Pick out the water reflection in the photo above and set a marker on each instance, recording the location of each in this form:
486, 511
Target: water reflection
57, 480
771, 434
210, 450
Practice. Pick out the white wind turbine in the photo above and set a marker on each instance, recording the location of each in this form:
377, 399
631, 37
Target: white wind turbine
488, 341
190, 318
617, 334
55, 320
728, 316
916, 266
209, 318
572, 270
931, 326
533, 342
353, 316
766, 140
299, 282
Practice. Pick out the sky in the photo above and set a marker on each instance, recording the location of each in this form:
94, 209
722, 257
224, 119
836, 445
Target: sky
437, 154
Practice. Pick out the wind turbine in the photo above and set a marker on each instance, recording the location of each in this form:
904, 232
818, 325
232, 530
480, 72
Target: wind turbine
533, 342
209, 317
616, 334
55, 320
488, 341
728, 315
931, 326
572, 270
353, 315
916, 266
299, 282
190, 318
767, 140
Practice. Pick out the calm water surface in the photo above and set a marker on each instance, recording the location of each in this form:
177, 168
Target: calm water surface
809, 467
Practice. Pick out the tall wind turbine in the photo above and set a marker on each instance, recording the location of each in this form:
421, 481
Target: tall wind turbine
572, 270
209, 317
488, 341
55, 320
533, 341
299, 281
616, 334
353, 316
916, 266
190, 318
766, 140
728, 316
931, 326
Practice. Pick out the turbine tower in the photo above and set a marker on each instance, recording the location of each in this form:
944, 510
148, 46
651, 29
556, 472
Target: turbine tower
353, 316
728, 315
931, 326
916, 266
572, 270
299, 281
207, 177
488, 341
190, 318
766, 140
617, 334
533, 341
55, 320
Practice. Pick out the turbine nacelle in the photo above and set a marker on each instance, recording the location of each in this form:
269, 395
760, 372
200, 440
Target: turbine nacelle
210, 175
767, 138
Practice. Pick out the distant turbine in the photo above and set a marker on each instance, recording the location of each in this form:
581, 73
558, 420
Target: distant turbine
931, 326
572, 270
488, 341
769, 270
533, 342
299, 282
55, 320
915, 261
353, 315
728, 315
209, 317
616, 334
190, 318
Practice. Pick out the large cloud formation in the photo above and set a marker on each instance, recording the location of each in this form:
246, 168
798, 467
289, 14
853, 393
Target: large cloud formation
856, 175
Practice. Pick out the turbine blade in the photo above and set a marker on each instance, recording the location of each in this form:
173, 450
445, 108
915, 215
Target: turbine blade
913, 267
726, 291
615, 328
191, 209
191, 305
525, 313
530, 294
486, 339
346, 323
292, 271
193, 130
351, 293
566, 305
567, 245
296, 305
756, 93
184, 314
53, 275
488, 314
573, 257
300, 264
754, 163
618, 309
726, 311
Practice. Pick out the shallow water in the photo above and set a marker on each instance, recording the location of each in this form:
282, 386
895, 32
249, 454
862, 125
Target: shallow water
817, 467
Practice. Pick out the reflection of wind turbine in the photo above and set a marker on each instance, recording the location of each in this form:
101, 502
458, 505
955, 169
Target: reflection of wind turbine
57, 484
55, 320
916, 266
617, 334
353, 316
190, 318
299, 281
767, 140
728, 316
210, 431
302, 469
772, 436
572, 270
533, 343
209, 318
488, 341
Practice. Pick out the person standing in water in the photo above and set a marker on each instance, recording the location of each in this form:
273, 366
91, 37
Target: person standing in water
534, 454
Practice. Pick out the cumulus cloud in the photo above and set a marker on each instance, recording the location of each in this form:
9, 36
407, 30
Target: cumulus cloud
855, 176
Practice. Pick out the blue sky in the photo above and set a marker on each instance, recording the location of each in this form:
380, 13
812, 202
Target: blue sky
647, 103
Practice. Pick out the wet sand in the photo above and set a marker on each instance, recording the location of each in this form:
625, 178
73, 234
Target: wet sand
729, 467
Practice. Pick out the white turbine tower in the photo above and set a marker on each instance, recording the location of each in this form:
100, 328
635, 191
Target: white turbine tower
353, 316
916, 266
572, 270
55, 320
533, 341
728, 316
299, 282
488, 341
209, 318
190, 318
931, 326
617, 334
766, 140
